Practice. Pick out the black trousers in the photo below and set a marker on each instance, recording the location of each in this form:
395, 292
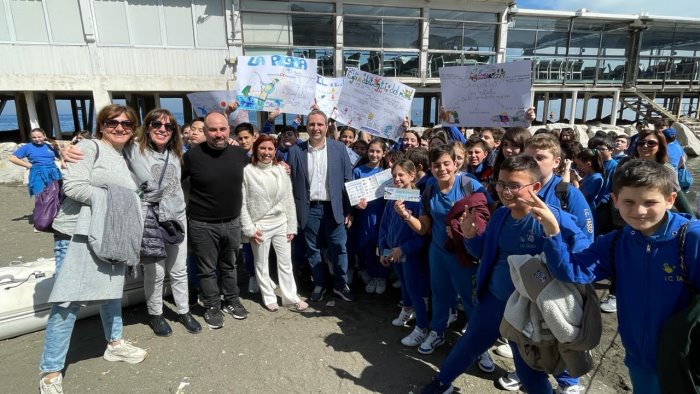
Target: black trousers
215, 246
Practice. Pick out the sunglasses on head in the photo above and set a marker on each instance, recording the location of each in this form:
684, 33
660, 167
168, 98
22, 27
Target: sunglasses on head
113, 123
648, 143
169, 127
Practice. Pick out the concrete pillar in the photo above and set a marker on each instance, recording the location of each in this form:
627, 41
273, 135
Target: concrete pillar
586, 98
562, 107
338, 51
101, 97
599, 108
679, 104
502, 37
545, 109
616, 103
423, 57
54, 116
572, 111
31, 109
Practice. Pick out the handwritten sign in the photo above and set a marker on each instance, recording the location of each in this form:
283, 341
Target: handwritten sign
395, 193
375, 104
266, 83
370, 188
327, 94
486, 95
217, 101
354, 157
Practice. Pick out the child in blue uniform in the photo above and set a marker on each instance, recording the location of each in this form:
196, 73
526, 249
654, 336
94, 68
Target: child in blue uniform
367, 216
590, 166
403, 248
447, 277
642, 259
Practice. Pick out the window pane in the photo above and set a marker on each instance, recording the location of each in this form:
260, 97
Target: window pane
401, 34
525, 22
395, 11
358, 59
313, 30
4, 28
657, 41
111, 22
28, 16
362, 32
551, 42
362, 10
521, 43
614, 43
255, 51
178, 23
313, 7
269, 29
324, 59
264, 5
553, 24
687, 40
584, 44
211, 29
145, 22
64, 19
445, 35
464, 15
401, 64
480, 38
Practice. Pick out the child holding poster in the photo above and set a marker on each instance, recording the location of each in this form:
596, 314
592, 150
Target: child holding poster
365, 229
402, 247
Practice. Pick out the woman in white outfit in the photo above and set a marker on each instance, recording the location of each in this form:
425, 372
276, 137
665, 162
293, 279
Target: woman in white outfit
268, 216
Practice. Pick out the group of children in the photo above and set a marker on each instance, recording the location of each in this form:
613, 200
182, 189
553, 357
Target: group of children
549, 204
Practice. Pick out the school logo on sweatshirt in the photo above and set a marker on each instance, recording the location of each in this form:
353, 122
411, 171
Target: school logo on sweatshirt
669, 271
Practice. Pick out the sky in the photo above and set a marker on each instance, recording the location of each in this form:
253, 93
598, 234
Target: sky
685, 8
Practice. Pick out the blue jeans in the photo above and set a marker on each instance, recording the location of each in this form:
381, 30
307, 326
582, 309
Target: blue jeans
447, 279
368, 255
60, 327
412, 274
482, 332
321, 224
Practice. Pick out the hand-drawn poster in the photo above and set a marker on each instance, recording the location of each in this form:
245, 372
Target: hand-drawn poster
327, 94
374, 104
265, 83
370, 188
486, 95
217, 101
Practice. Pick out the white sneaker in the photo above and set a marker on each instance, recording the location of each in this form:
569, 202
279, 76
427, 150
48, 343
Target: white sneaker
510, 382
404, 317
415, 338
54, 386
432, 341
371, 286
575, 389
253, 285
126, 352
504, 351
452, 317
486, 362
609, 304
464, 329
396, 284
380, 285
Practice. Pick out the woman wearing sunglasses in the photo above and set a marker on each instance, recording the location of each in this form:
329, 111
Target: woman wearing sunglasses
156, 160
651, 145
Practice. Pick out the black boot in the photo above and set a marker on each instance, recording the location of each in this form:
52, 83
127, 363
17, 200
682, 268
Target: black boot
191, 325
160, 327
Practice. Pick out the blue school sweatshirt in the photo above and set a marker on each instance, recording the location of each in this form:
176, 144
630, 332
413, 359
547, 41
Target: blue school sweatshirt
365, 226
485, 246
647, 275
394, 232
592, 186
577, 205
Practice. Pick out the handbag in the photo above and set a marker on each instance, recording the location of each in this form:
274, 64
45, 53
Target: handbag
46, 206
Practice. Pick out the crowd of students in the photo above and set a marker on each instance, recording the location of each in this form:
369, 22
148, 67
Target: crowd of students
486, 194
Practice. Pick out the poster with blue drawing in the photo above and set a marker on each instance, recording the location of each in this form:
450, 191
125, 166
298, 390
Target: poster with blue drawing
327, 94
216, 101
265, 83
486, 95
375, 104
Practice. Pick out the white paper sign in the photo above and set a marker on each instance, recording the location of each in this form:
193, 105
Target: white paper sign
354, 157
486, 95
216, 101
327, 94
370, 188
375, 104
266, 83
395, 193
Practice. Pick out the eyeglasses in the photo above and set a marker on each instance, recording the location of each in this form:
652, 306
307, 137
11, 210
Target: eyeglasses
648, 143
113, 123
169, 127
602, 148
512, 188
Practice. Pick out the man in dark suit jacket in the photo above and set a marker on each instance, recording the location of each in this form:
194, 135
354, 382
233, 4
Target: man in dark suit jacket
319, 169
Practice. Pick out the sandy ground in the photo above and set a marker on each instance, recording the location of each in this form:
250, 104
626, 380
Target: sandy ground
334, 347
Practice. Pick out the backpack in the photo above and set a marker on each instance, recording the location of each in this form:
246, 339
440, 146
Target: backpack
561, 190
464, 183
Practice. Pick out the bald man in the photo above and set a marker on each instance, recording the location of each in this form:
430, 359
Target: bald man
215, 171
